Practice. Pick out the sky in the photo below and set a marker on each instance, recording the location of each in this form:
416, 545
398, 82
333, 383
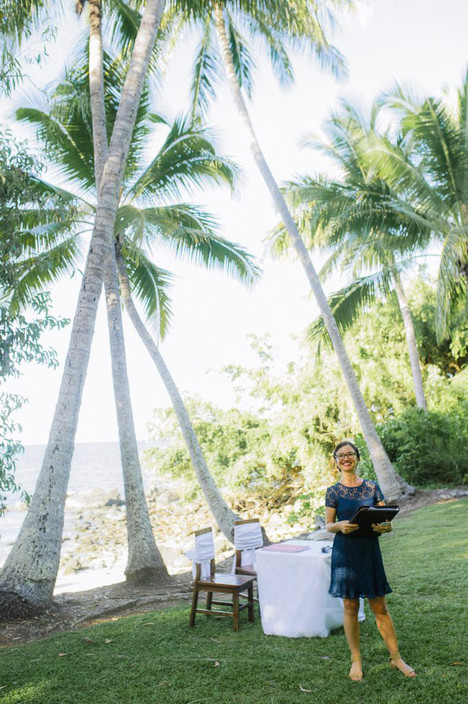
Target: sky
419, 43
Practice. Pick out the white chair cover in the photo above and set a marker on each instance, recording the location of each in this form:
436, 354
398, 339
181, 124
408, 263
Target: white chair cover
247, 537
203, 554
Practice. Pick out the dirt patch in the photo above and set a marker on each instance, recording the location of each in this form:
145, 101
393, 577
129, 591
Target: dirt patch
80, 609
76, 610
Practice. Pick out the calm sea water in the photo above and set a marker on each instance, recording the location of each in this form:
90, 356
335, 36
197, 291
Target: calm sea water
94, 465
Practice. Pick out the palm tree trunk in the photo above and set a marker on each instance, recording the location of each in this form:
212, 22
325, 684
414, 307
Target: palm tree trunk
392, 484
410, 341
144, 561
28, 577
223, 515
96, 91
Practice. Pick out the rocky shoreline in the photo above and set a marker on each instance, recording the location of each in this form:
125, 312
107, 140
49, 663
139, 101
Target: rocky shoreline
94, 545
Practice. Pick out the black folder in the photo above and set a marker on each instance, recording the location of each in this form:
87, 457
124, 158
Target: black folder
365, 516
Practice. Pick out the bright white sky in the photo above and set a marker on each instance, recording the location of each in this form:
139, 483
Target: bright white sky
418, 42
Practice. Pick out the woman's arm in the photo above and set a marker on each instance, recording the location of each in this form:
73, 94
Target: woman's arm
334, 526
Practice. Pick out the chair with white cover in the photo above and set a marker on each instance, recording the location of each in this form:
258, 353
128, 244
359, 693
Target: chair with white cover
206, 579
247, 537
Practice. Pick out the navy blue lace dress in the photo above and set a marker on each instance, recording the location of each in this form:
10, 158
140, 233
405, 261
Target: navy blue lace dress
356, 568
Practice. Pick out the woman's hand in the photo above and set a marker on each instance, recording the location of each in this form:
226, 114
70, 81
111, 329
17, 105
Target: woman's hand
385, 527
347, 527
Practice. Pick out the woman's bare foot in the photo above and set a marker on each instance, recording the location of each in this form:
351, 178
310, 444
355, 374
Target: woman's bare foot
355, 672
398, 663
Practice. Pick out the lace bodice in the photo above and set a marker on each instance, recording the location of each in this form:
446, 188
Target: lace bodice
346, 499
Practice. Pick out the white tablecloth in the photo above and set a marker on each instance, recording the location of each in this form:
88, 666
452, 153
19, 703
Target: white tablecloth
293, 592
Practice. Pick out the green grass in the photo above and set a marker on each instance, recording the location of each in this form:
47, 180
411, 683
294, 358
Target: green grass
158, 658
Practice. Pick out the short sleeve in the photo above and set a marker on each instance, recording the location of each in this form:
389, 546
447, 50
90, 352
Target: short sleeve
331, 498
378, 494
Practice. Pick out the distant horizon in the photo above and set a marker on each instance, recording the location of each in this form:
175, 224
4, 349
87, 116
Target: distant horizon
84, 442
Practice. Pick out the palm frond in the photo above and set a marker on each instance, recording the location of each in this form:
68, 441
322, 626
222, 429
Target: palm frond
151, 285
242, 58
451, 283
75, 160
186, 160
189, 233
38, 270
205, 73
350, 302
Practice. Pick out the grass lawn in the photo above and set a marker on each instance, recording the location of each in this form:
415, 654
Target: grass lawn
158, 658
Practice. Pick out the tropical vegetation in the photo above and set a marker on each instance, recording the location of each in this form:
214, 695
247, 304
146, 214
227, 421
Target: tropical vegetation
23, 319
274, 448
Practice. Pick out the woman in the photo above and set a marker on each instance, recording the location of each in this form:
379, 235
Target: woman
357, 569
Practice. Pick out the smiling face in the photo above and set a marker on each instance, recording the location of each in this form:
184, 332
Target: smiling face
346, 459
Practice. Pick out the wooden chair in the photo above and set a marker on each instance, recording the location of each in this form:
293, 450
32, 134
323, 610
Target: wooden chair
247, 537
218, 583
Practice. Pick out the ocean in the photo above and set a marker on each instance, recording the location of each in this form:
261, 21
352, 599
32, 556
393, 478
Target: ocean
95, 465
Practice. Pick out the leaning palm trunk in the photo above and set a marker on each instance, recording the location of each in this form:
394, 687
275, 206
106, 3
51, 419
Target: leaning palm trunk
392, 484
144, 561
28, 577
223, 515
410, 341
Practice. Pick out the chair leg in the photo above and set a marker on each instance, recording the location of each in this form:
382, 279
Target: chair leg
250, 593
209, 599
194, 607
235, 610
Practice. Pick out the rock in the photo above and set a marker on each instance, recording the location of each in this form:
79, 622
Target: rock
96, 498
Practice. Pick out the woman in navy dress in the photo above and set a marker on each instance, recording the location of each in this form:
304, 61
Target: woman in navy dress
357, 569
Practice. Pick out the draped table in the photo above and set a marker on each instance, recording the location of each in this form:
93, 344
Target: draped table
293, 590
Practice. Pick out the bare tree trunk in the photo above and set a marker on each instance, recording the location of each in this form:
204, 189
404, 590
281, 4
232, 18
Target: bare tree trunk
28, 577
144, 561
392, 484
410, 341
223, 515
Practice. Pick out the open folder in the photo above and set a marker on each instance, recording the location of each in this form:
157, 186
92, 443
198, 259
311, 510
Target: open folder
365, 516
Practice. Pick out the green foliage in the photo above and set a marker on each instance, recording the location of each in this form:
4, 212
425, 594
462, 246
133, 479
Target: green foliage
278, 448
451, 354
17, 22
20, 343
428, 449
156, 657
20, 330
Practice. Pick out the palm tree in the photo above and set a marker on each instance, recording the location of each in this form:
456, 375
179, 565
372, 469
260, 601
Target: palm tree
365, 222
434, 178
29, 574
301, 24
185, 159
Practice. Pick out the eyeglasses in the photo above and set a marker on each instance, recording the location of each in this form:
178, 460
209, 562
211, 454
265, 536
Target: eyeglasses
347, 456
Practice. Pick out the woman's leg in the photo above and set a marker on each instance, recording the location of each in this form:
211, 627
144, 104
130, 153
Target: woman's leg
387, 631
351, 629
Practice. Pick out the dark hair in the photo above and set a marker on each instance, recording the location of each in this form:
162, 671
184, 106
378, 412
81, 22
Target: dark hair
342, 444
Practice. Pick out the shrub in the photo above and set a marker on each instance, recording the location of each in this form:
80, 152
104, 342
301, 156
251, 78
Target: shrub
429, 449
